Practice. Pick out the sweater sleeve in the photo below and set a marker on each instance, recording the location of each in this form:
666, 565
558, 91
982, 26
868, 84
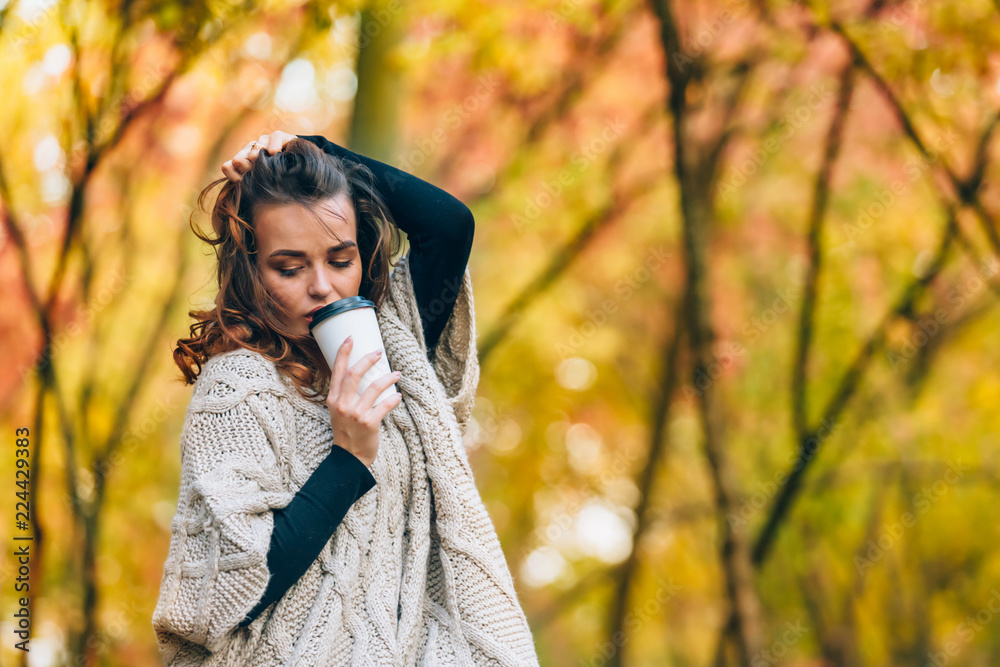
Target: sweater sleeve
216, 569
456, 361
439, 227
303, 528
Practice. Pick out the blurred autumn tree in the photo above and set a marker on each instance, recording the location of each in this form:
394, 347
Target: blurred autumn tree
738, 403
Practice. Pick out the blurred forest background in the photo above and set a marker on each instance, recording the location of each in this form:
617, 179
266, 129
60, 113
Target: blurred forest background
736, 268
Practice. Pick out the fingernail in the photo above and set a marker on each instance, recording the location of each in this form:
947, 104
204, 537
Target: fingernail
348, 339
379, 353
396, 373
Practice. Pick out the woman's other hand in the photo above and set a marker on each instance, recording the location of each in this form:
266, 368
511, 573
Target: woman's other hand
242, 161
354, 419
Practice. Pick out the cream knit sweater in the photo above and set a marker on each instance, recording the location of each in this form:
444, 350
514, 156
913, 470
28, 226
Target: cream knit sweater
414, 575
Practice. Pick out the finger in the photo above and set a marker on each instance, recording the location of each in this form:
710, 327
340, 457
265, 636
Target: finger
353, 379
277, 140
230, 171
376, 388
242, 158
354, 375
242, 164
281, 138
264, 141
340, 368
246, 154
379, 411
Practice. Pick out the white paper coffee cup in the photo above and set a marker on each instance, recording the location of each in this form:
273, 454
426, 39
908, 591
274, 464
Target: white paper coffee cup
352, 316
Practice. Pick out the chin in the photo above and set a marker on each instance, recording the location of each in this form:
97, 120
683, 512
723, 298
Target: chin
299, 329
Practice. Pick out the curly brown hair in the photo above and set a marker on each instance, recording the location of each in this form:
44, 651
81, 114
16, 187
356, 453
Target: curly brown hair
246, 315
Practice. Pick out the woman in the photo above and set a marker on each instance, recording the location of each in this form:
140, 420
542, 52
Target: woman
313, 527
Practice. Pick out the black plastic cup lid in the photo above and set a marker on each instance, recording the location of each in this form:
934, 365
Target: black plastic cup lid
337, 307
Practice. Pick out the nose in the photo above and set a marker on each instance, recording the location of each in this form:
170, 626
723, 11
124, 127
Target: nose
320, 285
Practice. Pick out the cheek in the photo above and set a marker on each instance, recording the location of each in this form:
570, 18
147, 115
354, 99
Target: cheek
282, 290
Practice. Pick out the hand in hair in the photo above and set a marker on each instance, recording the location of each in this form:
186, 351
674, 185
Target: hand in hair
242, 161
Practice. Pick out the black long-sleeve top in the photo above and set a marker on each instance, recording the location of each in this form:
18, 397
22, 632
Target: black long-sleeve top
439, 228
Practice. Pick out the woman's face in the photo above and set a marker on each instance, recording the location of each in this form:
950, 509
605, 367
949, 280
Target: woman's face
303, 266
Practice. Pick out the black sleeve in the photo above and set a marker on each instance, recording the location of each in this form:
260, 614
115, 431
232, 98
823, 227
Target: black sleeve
304, 526
440, 230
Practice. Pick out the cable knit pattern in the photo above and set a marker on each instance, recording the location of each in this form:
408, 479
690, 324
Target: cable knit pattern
414, 575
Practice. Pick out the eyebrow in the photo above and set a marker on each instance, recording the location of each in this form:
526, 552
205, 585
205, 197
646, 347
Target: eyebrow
298, 253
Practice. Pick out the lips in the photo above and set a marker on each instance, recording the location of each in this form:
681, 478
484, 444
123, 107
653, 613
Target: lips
309, 315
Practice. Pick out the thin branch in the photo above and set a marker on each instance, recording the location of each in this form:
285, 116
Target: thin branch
572, 87
848, 385
611, 211
732, 105
817, 215
24, 257
696, 212
963, 240
966, 189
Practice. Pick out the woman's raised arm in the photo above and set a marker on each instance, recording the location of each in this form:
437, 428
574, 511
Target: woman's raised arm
439, 227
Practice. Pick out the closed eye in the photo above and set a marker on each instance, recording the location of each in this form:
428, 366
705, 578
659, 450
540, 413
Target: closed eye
287, 273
